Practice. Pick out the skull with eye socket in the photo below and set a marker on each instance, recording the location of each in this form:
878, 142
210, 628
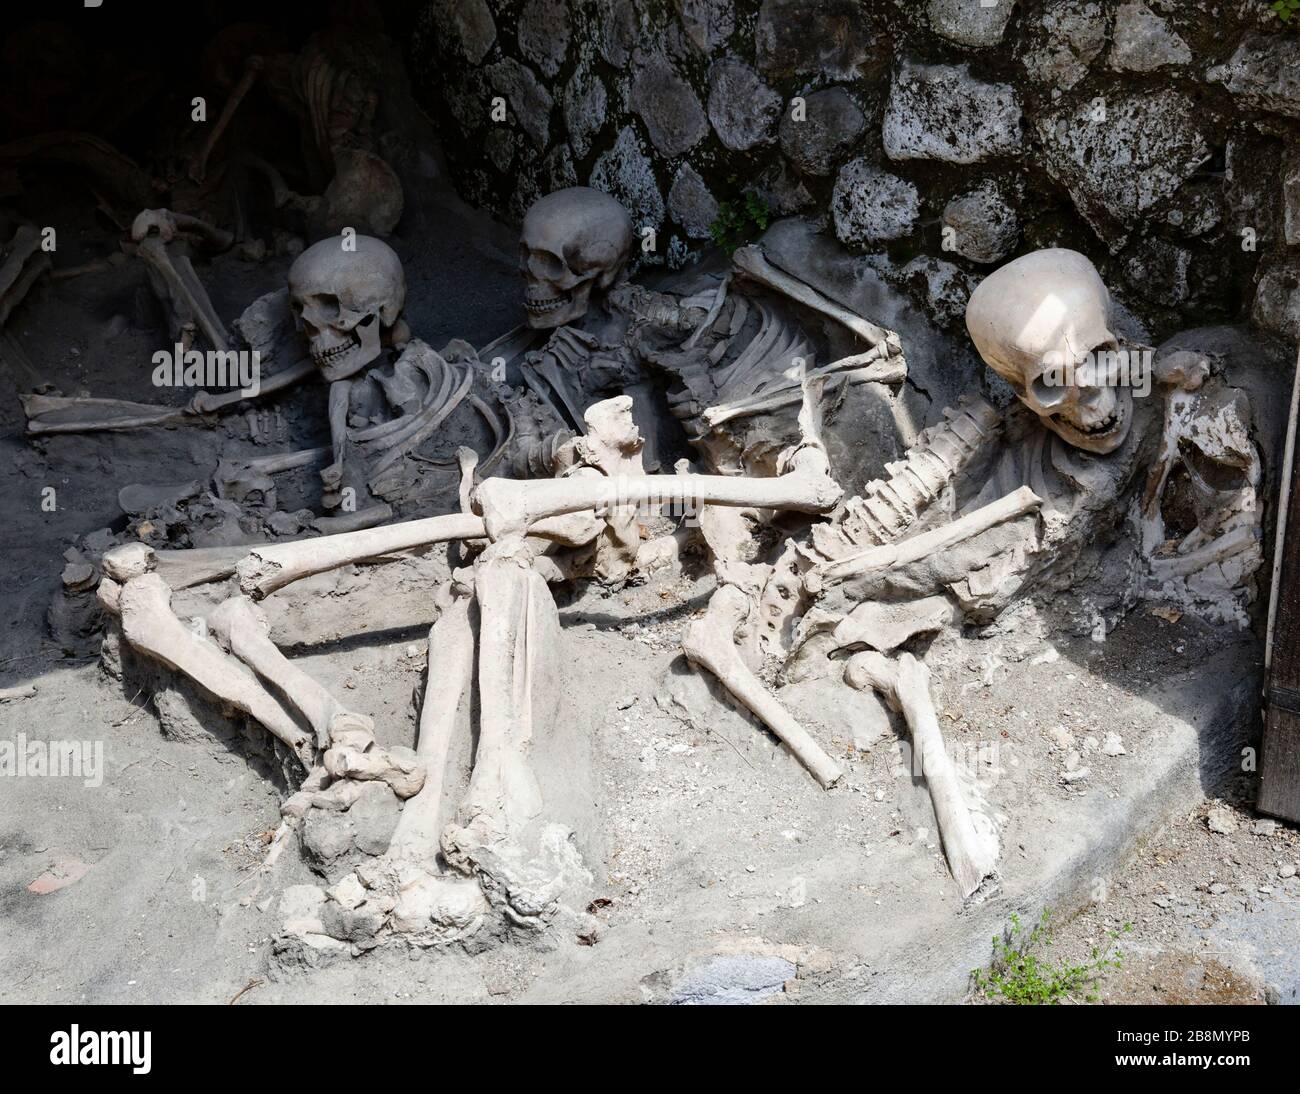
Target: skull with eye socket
345, 300
573, 241
1043, 324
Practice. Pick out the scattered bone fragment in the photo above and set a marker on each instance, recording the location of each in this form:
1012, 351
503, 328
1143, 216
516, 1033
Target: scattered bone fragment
22, 691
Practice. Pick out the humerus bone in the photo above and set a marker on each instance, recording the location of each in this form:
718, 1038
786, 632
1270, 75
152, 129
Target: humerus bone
869, 367
185, 293
751, 261
905, 685
272, 567
512, 506
57, 414
150, 626
902, 552
710, 642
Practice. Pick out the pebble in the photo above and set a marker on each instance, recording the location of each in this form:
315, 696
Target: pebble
1221, 820
1287, 871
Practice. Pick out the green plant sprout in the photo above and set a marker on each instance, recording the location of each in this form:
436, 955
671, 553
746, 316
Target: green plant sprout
1017, 974
741, 222
1286, 9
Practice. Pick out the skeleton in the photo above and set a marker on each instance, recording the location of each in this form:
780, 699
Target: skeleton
979, 513
345, 297
930, 544
439, 878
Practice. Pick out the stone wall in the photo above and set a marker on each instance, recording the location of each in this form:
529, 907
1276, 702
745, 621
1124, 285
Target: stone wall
942, 136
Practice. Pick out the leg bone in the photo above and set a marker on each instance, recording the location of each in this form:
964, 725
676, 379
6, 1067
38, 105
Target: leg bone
710, 643
905, 685
150, 626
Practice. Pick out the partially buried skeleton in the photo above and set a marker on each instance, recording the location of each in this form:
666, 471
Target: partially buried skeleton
985, 511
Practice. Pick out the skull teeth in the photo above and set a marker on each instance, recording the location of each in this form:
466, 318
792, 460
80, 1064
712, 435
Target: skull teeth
1104, 426
333, 353
545, 305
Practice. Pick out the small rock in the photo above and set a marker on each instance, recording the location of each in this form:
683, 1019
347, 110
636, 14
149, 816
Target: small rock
870, 205
1061, 737
668, 105
467, 23
1264, 73
831, 38
1221, 820
60, 875
530, 102
78, 576
1286, 871
283, 524
543, 34
352, 924
941, 112
373, 817
1218, 888
690, 202
984, 227
1263, 826
742, 108
1113, 745
1277, 299
1150, 144
1076, 775
1144, 41
349, 892
1067, 39
830, 125
947, 289
969, 23
1291, 200
626, 172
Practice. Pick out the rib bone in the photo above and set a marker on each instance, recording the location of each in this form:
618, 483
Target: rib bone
902, 552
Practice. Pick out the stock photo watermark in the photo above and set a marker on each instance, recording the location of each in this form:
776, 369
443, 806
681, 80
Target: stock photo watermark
179, 367
1128, 368
84, 760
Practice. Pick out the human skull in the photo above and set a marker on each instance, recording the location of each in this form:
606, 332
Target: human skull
573, 240
1042, 323
343, 299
